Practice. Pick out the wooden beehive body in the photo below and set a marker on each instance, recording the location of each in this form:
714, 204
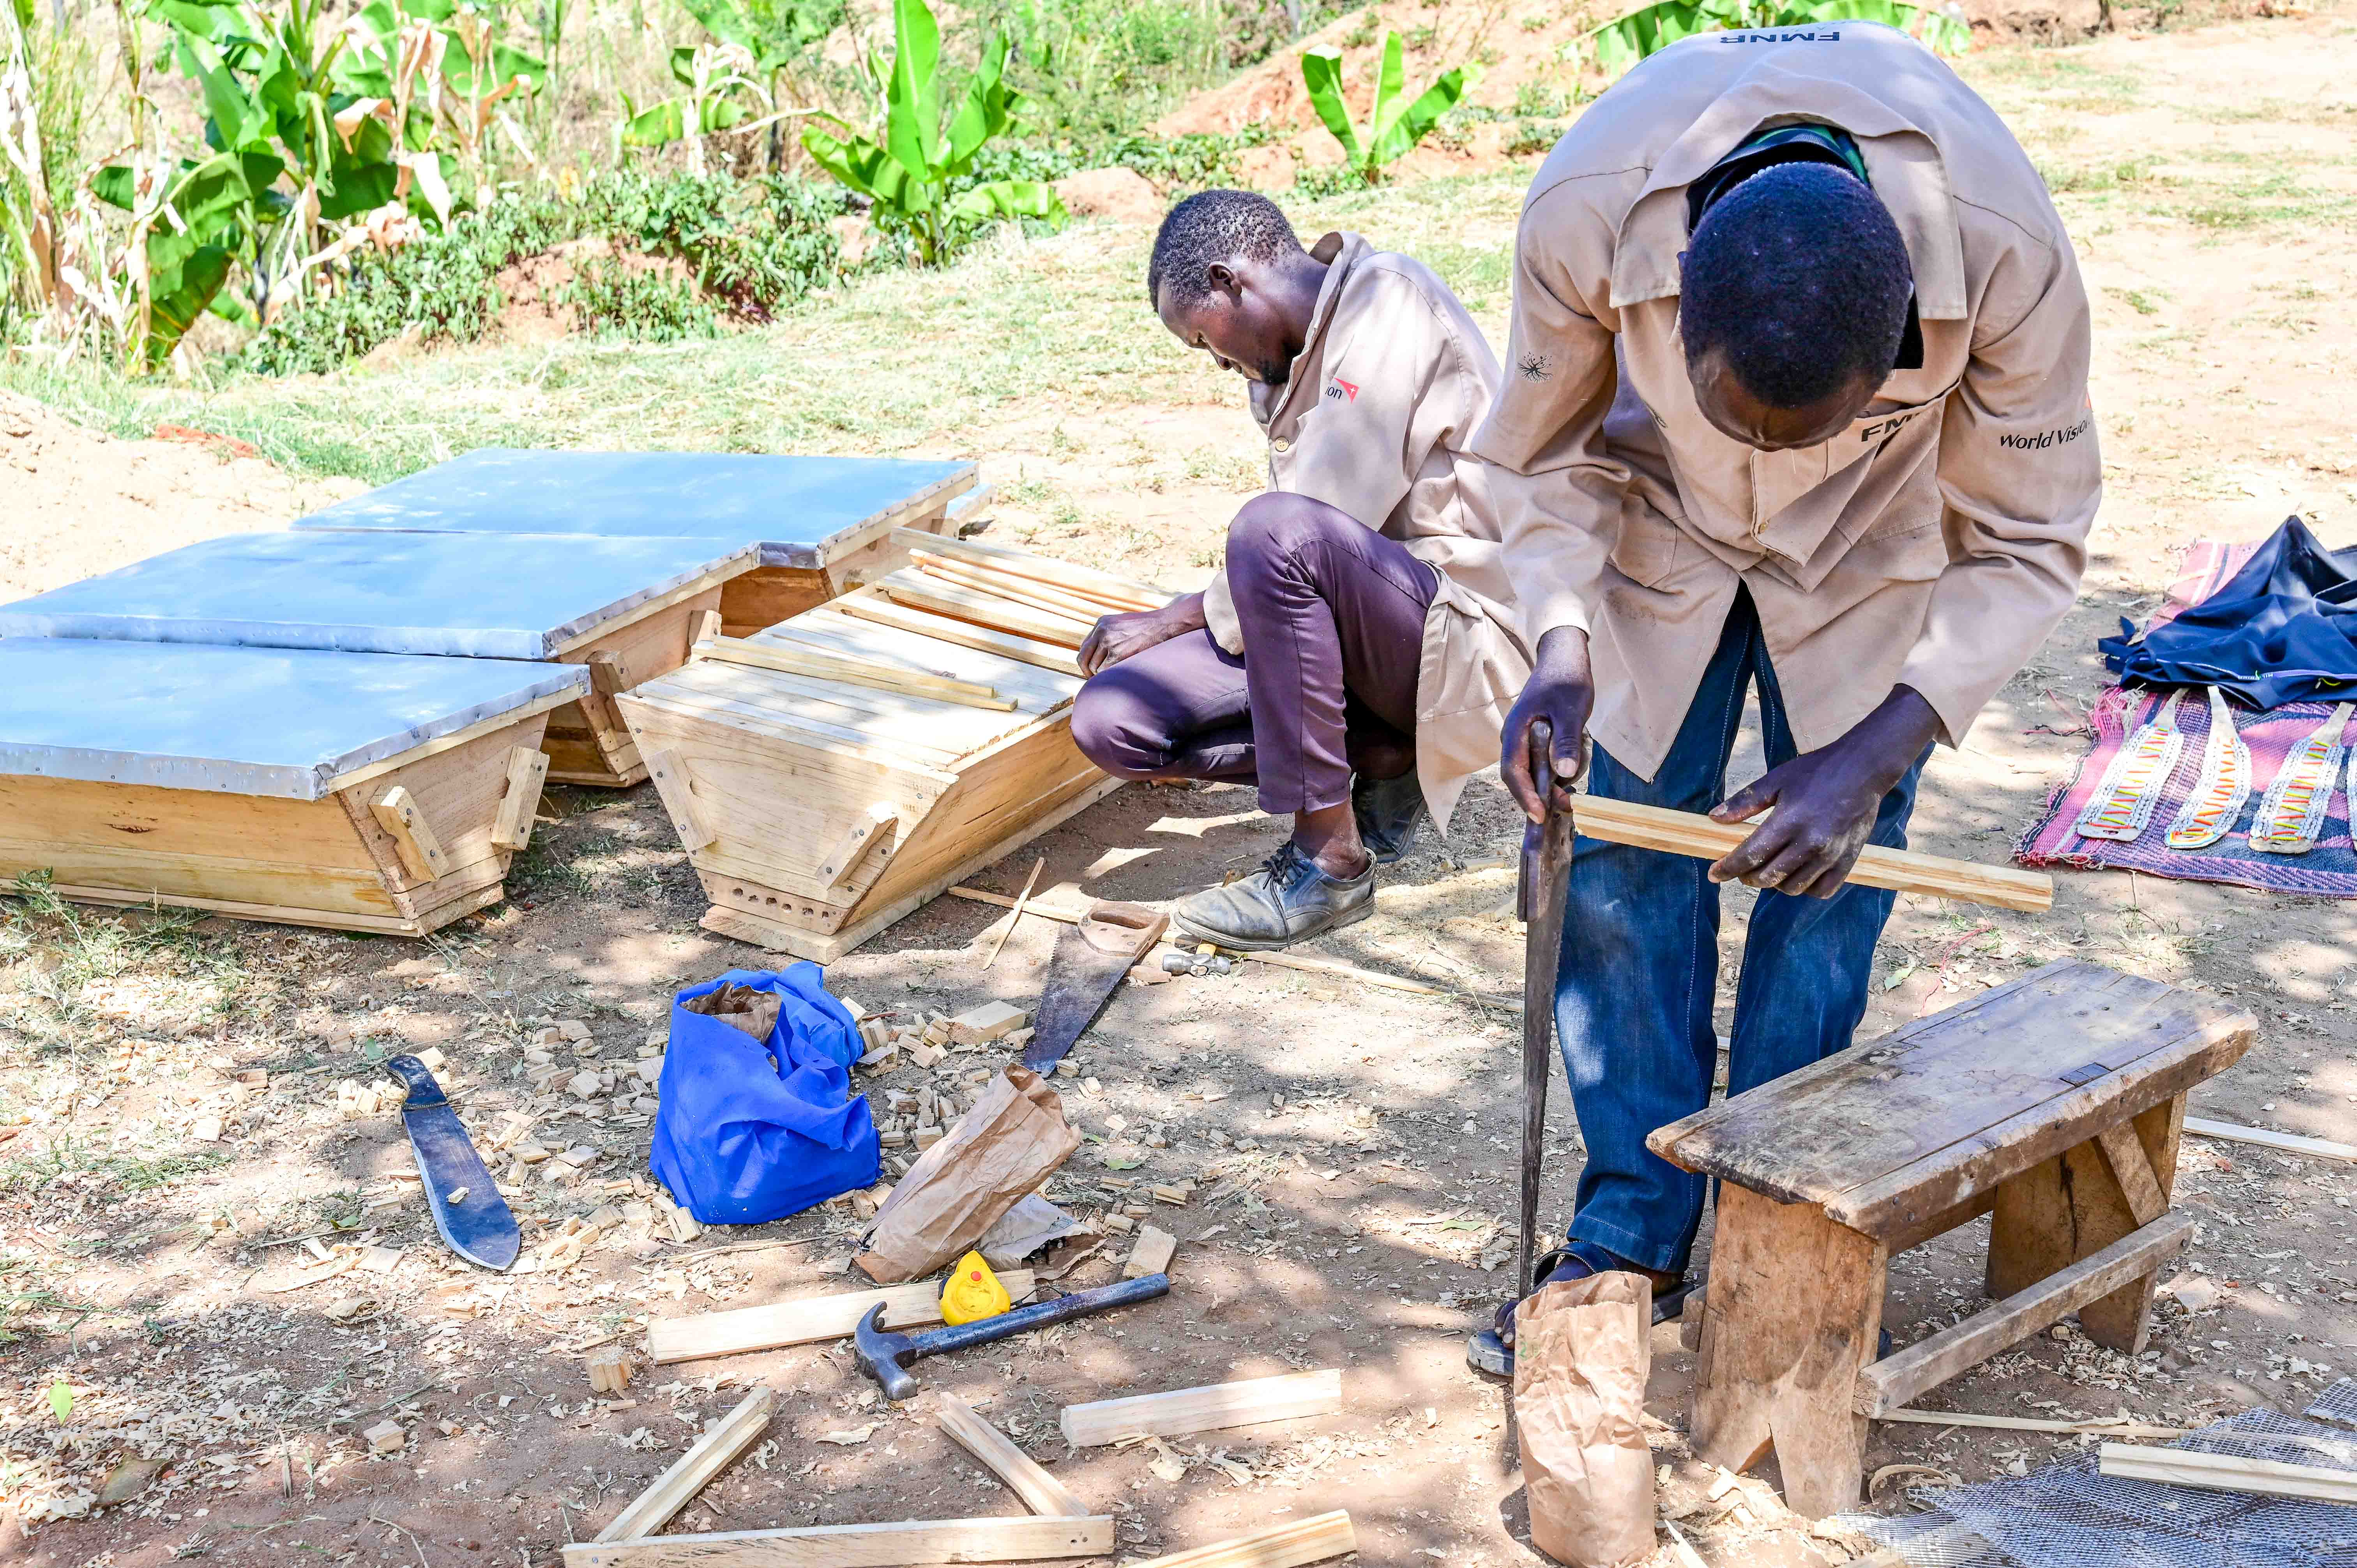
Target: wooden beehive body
365, 792
782, 785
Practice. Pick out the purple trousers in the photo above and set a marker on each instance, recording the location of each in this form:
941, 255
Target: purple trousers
1333, 626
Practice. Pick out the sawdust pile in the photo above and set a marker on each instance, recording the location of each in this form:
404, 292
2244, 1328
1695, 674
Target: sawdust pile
80, 502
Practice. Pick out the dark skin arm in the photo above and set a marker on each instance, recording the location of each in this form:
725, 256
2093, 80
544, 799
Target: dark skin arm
1824, 800
1118, 637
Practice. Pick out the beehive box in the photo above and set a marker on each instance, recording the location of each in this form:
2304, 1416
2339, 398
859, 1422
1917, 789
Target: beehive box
622, 606
817, 522
359, 791
817, 811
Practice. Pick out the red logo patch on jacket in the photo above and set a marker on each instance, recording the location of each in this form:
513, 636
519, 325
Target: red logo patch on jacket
1341, 388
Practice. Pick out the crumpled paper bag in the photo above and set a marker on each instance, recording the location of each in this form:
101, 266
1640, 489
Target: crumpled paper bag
1011, 1141
745, 1008
1583, 1350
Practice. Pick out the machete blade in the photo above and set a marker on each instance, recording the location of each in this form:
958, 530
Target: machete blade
1091, 955
1544, 884
480, 1226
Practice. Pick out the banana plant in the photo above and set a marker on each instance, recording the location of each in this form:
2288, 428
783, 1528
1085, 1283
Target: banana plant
352, 113
1395, 123
910, 174
1649, 30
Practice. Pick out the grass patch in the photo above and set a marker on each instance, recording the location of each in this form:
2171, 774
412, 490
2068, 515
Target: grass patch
122, 1173
892, 361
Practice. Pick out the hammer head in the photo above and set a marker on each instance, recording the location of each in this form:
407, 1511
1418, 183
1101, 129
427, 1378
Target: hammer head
880, 1355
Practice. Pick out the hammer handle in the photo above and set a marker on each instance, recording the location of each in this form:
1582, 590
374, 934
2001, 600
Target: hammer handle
1079, 1303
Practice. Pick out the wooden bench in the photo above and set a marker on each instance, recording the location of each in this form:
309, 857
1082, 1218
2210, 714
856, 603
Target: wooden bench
2054, 1101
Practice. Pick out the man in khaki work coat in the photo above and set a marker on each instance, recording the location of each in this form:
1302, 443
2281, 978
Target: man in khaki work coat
1356, 654
1796, 399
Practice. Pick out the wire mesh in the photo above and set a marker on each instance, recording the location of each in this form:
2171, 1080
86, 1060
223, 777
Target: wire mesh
2066, 1515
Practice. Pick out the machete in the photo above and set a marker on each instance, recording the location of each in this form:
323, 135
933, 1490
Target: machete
1091, 955
467, 1209
1541, 890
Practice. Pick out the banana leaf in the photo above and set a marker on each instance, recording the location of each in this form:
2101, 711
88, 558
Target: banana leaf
912, 95
183, 277
1006, 198
657, 126
986, 110
1412, 125
1321, 72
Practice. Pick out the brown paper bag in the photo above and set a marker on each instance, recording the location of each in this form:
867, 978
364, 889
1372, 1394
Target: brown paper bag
739, 1006
1582, 1352
1011, 1141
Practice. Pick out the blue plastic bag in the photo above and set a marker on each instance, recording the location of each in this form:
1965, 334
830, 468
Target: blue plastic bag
751, 1130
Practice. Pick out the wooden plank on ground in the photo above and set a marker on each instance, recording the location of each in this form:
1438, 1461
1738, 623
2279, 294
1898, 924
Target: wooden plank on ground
714, 1452
801, 1322
1020, 1538
1897, 1378
1040, 1492
1287, 1545
2226, 1473
2268, 1138
1175, 1413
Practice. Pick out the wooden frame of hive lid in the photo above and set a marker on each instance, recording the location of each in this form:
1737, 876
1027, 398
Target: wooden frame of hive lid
622, 606
817, 522
361, 791
832, 773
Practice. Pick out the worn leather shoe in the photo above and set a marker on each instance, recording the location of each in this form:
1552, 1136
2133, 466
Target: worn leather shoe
1492, 1349
1288, 900
1388, 811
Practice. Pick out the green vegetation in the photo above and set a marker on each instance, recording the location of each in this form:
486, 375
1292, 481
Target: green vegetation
909, 175
754, 247
1395, 123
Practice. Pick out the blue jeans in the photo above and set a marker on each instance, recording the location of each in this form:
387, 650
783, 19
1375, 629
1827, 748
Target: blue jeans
1640, 967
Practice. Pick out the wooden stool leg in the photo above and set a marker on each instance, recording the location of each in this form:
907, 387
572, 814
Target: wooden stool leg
1793, 1310
2054, 1214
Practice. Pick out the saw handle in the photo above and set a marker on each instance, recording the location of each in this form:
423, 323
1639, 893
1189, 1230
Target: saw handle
1546, 846
1118, 928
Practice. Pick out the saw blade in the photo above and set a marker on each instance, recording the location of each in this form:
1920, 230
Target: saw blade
1091, 955
469, 1211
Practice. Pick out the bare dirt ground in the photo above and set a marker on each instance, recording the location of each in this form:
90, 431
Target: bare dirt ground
80, 502
1353, 1146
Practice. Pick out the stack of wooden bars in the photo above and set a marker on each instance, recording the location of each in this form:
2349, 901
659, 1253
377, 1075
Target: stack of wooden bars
839, 769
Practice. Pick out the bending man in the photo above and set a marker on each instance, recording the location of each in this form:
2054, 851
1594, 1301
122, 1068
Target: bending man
1354, 656
1800, 404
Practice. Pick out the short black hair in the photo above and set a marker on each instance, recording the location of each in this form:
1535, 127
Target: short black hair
1210, 227
1798, 276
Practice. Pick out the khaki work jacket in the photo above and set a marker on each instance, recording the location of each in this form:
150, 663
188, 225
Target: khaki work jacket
1374, 420
1934, 543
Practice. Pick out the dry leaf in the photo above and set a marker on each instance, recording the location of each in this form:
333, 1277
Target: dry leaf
853, 1437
